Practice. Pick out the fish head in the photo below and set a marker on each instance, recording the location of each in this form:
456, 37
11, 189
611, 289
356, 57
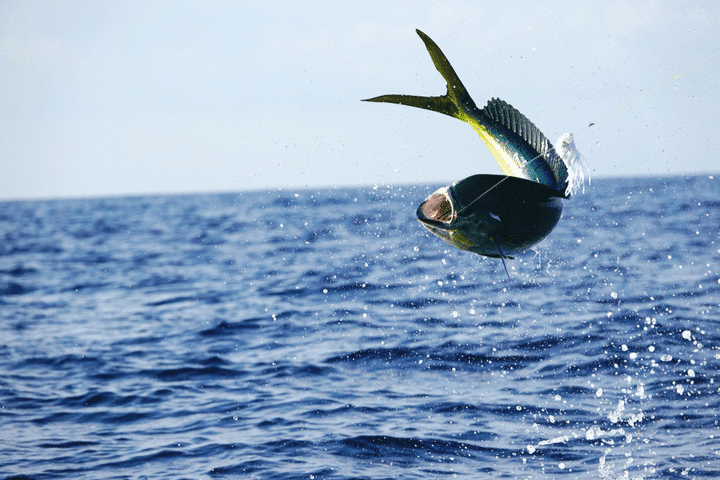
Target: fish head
486, 213
446, 216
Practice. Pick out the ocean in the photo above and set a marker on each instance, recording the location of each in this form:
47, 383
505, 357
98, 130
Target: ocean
325, 334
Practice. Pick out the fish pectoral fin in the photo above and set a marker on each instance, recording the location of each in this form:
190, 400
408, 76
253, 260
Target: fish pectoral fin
502, 256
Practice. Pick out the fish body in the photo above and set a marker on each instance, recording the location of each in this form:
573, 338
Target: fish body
512, 216
492, 215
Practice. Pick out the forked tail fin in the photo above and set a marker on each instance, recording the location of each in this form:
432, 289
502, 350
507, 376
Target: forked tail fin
456, 100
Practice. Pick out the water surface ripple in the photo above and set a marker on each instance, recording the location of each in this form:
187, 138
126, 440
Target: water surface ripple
326, 335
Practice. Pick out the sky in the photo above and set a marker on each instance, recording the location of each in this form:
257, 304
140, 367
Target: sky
133, 97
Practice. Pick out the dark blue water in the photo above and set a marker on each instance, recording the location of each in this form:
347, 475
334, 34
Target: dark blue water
326, 335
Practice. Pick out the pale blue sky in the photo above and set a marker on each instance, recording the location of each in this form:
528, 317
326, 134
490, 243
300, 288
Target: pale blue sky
131, 97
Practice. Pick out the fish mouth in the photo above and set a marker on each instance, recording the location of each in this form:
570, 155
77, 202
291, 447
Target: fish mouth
438, 209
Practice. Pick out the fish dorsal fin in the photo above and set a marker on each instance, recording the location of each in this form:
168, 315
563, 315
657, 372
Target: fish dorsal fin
509, 117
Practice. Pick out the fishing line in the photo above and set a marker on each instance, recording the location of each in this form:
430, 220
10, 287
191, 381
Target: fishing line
552, 147
539, 155
500, 181
654, 89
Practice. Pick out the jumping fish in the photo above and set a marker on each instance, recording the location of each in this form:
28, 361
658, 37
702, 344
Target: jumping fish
495, 215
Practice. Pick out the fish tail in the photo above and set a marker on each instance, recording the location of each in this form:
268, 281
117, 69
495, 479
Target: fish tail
456, 101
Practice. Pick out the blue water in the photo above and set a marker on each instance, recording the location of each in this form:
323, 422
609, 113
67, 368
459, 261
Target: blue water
326, 335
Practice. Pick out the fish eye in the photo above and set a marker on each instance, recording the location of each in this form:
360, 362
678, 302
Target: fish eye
439, 208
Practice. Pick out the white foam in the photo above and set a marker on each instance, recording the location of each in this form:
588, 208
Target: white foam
574, 162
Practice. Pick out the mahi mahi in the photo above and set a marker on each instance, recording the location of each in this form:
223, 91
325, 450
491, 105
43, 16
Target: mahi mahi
496, 215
